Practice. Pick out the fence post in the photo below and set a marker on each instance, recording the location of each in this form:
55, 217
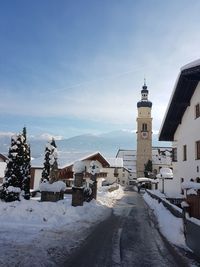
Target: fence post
77, 190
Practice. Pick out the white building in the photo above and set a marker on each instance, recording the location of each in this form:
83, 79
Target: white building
182, 126
117, 172
3, 165
129, 161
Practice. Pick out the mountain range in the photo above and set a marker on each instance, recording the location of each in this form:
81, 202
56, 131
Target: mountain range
107, 143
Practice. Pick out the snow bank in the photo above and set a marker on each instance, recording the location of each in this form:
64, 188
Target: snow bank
170, 226
54, 187
109, 198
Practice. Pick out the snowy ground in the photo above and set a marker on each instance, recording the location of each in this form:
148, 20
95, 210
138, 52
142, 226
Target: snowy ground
170, 226
36, 233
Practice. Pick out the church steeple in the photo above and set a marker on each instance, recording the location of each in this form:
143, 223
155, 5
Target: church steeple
144, 131
144, 102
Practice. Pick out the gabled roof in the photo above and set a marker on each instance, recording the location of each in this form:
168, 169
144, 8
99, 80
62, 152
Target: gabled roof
67, 159
184, 89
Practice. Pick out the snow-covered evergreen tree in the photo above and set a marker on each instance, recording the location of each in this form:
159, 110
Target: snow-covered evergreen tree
26, 169
50, 169
17, 175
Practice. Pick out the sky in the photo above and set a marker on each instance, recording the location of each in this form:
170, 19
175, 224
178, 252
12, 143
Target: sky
71, 67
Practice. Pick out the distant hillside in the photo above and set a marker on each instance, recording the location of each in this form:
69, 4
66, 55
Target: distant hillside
107, 143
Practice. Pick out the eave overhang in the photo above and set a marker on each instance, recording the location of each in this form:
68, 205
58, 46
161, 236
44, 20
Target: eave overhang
180, 100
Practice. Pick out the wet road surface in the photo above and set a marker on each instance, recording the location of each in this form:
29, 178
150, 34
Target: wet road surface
127, 238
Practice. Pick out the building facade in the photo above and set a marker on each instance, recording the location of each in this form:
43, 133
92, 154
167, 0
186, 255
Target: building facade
182, 126
144, 132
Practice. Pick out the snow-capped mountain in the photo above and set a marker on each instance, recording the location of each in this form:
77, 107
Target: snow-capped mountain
107, 143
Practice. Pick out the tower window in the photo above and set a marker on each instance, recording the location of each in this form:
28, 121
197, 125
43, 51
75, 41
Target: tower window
144, 127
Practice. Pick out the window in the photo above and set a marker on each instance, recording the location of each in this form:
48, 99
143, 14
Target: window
197, 111
184, 153
144, 127
198, 150
174, 154
182, 191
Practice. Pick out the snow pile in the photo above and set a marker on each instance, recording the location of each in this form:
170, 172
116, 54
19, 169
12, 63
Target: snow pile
13, 189
54, 187
170, 226
191, 192
190, 185
43, 233
165, 173
109, 198
145, 179
79, 167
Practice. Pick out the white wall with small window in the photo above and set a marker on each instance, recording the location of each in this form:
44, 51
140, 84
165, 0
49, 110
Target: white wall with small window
187, 143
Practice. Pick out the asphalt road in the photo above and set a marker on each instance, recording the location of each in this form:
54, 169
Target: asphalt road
127, 238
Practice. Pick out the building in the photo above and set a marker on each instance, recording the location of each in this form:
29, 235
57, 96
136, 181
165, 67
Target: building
135, 160
129, 162
3, 165
181, 125
144, 132
66, 161
161, 158
117, 172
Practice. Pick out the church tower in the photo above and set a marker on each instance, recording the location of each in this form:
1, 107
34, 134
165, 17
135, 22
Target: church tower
144, 131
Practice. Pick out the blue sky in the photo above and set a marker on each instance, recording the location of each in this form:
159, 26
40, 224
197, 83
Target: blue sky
74, 67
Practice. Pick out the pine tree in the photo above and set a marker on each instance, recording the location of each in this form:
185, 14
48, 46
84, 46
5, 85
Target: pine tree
50, 169
26, 168
13, 180
17, 175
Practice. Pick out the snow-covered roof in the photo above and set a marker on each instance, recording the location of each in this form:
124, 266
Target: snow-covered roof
192, 64
66, 159
145, 179
165, 173
184, 88
116, 162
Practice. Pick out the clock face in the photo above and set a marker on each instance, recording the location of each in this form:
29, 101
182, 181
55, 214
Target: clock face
144, 135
